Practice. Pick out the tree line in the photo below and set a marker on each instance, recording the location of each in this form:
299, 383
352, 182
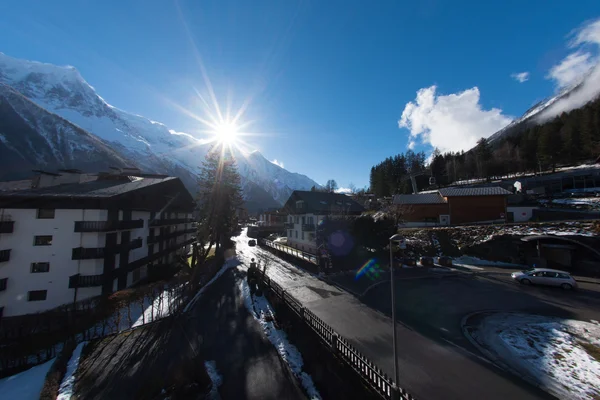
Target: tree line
569, 139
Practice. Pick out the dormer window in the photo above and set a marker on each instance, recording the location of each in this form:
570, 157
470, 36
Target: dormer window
299, 204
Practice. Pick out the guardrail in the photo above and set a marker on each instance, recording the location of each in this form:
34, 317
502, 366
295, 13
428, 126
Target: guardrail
312, 258
368, 371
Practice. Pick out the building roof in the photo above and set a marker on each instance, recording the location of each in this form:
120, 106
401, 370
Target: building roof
322, 203
125, 192
421, 198
474, 191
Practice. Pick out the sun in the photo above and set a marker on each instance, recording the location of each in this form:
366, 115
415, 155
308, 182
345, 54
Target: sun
227, 132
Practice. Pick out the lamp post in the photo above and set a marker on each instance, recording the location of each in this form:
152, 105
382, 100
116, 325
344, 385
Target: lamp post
394, 239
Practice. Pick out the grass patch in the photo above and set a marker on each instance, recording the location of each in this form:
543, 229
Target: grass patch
592, 350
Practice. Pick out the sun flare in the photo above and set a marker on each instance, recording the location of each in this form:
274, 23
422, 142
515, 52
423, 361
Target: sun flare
227, 132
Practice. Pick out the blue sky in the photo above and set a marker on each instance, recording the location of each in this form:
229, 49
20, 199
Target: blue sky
327, 81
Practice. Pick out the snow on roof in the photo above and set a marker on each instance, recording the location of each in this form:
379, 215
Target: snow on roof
479, 191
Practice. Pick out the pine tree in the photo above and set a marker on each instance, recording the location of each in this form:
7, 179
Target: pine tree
219, 197
550, 145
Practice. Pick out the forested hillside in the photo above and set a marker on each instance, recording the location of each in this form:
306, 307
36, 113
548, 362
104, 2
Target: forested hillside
571, 138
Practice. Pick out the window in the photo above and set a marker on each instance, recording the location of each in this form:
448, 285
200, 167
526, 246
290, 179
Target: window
564, 276
296, 234
43, 240
290, 234
3, 283
37, 295
40, 267
296, 219
300, 204
303, 220
302, 235
45, 213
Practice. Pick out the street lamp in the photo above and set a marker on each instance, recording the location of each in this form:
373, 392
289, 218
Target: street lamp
397, 238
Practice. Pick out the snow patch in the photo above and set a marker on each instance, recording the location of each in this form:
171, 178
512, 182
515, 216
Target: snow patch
555, 352
26, 385
65, 391
469, 262
215, 377
260, 310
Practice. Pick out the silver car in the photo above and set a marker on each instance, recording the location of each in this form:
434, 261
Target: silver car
544, 276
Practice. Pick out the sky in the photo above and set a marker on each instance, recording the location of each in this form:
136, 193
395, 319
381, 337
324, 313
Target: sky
325, 88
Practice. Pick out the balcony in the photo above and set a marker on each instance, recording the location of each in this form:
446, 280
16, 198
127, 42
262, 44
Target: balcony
87, 253
4, 255
288, 225
105, 226
7, 226
173, 221
156, 239
81, 281
308, 227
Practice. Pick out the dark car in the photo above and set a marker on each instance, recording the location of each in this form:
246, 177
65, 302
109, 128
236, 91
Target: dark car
251, 242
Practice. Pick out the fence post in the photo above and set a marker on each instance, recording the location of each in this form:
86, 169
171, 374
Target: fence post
302, 309
334, 340
395, 391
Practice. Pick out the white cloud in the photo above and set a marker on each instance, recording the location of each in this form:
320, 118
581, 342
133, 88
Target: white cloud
571, 69
520, 76
278, 163
581, 66
412, 144
343, 190
451, 122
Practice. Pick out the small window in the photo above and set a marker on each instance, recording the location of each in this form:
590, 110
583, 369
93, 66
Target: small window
303, 236
296, 234
37, 295
564, 276
303, 220
296, 219
300, 204
3, 282
43, 241
290, 234
45, 213
40, 267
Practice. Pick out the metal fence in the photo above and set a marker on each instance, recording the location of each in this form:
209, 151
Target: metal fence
312, 258
368, 371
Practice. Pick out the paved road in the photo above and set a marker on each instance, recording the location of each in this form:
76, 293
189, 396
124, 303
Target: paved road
429, 369
219, 328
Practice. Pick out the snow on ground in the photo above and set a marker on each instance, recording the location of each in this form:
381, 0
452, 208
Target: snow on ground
65, 391
469, 262
26, 385
561, 354
579, 201
260, 309
215, 377
161, 307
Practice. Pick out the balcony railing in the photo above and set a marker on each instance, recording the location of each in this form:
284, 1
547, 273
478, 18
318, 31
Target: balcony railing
173, 221
308, 227
88, 253
105, 226
7, 226
156, 239
288, 225
4, 255
81, 281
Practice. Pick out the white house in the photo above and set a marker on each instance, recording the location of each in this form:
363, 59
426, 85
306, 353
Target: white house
306, 209
74, 236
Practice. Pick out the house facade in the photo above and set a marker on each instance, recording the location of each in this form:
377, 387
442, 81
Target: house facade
306, 209
65, 242
453, 206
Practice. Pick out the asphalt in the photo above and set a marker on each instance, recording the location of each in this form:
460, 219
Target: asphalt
430, 367
217, 328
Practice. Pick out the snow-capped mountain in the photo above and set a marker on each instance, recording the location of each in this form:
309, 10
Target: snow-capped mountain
154, 147
31, 137
575, 96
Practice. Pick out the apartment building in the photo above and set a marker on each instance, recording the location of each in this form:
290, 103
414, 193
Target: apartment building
73, 236
306, 209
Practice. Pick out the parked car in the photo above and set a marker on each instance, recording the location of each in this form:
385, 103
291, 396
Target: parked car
544, 276
426, 261
251, 242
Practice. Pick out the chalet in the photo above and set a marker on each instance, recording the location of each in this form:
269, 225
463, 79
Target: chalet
453, 206
306, 209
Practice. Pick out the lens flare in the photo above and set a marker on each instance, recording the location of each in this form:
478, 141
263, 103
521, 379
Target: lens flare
371, 269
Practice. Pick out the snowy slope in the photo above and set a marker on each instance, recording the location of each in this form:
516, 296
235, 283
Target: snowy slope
63, 91
32, 138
